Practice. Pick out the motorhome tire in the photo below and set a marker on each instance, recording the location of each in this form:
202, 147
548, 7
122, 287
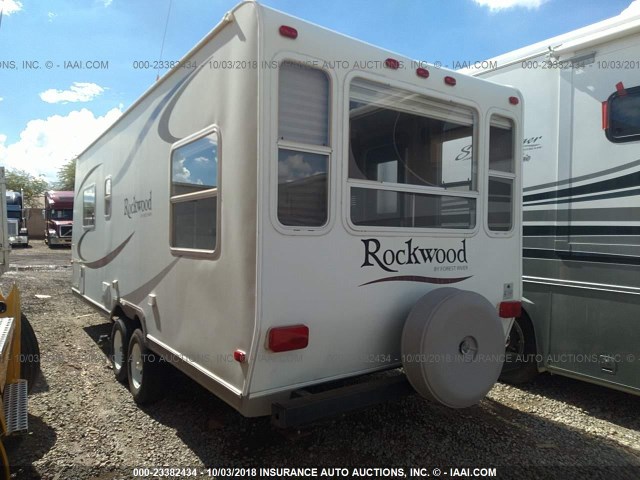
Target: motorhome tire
520, 362
143, 370
29, 353
452, 347
120, 336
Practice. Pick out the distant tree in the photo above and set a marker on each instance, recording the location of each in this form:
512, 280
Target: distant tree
67, 176
30, 186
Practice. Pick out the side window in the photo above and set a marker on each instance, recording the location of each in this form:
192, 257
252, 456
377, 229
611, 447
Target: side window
622, 116
89, 207
107, 198
303, 146
194, 194
501, 175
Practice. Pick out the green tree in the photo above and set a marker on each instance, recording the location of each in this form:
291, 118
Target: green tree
67, 176
30, 186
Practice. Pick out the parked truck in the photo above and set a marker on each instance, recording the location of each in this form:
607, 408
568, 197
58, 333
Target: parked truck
58, 215
17, 225
581, 313
300, 221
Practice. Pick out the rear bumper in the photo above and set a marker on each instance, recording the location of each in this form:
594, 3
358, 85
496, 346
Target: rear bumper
59, 240
22, 240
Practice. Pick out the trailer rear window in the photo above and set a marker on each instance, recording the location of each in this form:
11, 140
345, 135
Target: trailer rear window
303, 146
411, 159
623, 116
501, 175
194, 194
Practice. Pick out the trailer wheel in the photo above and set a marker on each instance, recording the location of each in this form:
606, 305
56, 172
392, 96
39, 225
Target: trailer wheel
29, 353
143, 370
520, 363
120, 336
452, 347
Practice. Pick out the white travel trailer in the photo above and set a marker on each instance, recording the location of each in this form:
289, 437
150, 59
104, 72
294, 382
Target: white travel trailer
581, 204
281, 206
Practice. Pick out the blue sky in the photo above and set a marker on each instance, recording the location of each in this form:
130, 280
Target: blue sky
50, 113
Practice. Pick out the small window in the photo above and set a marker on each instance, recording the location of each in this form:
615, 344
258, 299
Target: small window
107, 198
302, 188
623, 116
303, 141
89, 206
501, 175
194, 194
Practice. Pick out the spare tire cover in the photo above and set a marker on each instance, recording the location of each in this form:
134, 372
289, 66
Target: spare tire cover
453, 347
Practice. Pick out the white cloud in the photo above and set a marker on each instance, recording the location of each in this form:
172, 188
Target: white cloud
46, 145
51, 16
11, 6
107, 2
78, 92
180, 172
497, 5
1, 99
632, 9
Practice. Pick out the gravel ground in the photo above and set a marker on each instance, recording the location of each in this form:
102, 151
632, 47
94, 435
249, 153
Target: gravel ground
84, 424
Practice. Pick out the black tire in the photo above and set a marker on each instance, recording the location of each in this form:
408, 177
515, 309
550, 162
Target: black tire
120, 336
143, 369
520, 365
29, 353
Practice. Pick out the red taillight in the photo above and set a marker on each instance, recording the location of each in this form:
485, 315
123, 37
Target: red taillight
514, 100
605, 114
284, 339
240, 356
288, 32
510, 309
450, 81
422, 72
392, 63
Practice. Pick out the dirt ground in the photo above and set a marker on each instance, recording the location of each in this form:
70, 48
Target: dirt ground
84, 424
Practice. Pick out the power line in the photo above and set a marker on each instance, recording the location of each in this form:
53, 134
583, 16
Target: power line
164, 36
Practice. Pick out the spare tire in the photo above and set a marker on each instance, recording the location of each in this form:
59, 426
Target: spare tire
453, 347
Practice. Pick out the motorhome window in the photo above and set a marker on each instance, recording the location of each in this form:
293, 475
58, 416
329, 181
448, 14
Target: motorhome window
403, 140
501, 174
303, 141
89, 206
389, 208
194, 192
624, 116
107, 198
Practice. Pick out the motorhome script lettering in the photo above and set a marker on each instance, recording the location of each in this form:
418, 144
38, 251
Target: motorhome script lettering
133, 206
410, 255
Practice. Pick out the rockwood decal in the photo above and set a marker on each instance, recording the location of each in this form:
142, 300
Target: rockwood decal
133, 207
410, 255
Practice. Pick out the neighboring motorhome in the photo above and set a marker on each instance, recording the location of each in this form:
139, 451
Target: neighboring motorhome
58, 217
18, 234
581, 204
270, 217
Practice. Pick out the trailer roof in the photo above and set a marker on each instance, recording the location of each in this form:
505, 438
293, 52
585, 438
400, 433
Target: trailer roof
571, 42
